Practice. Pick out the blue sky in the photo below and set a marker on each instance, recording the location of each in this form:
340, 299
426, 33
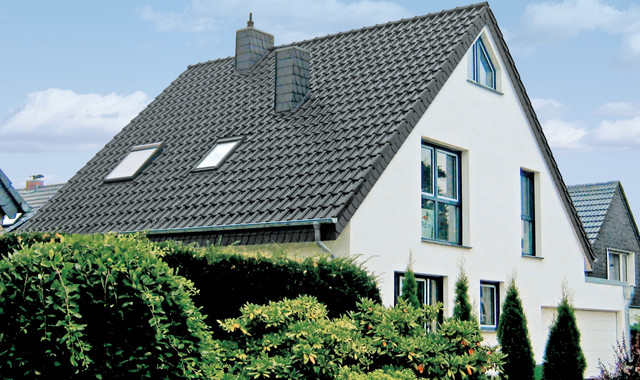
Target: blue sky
73, 73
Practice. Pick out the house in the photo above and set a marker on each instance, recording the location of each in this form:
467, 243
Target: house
35, 194
11, 203
606, 217
414, 137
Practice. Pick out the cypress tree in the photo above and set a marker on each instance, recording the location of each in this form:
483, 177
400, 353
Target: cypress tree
513, 336
563, 358
462, 309
410, 288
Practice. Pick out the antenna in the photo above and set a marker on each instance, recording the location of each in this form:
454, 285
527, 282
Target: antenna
250, 22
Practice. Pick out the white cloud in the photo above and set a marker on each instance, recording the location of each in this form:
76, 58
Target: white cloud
552, 22
547, 108
288, 20
62, 120
620, 134
622, 109
565, 134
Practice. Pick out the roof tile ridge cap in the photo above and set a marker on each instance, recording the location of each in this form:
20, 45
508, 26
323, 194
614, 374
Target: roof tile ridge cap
210, 61
593, 184
389, 23
632, 219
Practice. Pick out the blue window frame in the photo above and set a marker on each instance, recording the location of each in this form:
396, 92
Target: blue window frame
484, 71
440, 194
527, 207
430, 290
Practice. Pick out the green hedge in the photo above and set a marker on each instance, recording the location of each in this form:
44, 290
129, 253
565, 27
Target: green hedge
99, 306
228, 279
10, 242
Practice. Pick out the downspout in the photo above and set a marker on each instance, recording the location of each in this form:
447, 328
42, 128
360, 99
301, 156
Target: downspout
318, 239
627, 291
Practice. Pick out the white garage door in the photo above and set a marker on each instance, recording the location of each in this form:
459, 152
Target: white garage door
598, 335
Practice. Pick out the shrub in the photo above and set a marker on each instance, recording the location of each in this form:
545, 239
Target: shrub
462, 309
228, 279
294, 339
627, 363
99, 306
410, 288
513, 336
563, 358
10, 242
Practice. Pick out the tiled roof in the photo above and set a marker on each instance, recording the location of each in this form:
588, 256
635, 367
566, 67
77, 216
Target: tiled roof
38, 196
11, 202
369, 86
592, 202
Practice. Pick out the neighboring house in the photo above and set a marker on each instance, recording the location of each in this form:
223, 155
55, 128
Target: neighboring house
35, 194
11, 203
414, 137
612, 230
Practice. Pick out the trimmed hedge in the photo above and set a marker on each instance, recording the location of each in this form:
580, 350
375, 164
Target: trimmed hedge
10, 242
227, 279
99, 306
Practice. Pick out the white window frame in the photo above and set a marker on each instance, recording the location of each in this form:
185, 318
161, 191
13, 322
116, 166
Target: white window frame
627, 270
233, 141
496, 307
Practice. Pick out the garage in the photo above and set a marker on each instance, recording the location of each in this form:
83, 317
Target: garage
598, 335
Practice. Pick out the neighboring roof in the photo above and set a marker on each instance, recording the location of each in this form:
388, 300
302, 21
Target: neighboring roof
369, 88
35, 198
592, 202
11, 203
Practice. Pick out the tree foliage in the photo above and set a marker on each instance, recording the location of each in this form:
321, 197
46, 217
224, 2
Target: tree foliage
294, 339
513, 336
563, 357
462, 309
99, 306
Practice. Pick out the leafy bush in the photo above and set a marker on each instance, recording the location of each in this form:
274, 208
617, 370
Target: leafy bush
10, 242
563, 358
99, 306
295, 339
513, 336
627, 363
228, 279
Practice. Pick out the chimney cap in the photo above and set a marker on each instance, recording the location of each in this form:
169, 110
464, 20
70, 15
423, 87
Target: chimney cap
36, 176
250, 22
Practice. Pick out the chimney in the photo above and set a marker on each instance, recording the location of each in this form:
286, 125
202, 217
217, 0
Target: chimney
251, 45
34, 182
292, 78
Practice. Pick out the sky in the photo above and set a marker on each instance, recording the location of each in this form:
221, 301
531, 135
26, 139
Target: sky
73, 73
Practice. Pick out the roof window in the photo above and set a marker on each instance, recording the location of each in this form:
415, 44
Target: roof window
138, 158
218, 154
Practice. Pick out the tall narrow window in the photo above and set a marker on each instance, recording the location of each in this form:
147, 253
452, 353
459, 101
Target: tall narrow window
527, 211
440, 194
484, 71
489, 304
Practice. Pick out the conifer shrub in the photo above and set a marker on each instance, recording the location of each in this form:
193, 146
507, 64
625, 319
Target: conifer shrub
563, 357
410, 288
228, 279
462, 309
295, 339
513, 336
99, 306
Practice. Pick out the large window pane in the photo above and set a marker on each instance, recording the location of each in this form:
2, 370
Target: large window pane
448, 223
427, 170
422, 290
614, 267
447, 174
428, 219
527, 238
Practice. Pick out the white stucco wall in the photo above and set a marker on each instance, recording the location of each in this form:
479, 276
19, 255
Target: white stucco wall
492, 133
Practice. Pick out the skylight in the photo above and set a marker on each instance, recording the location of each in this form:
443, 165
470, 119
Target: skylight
134, 162
217, 155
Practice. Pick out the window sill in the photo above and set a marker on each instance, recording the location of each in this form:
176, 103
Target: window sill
597, 280
424, 240
488, 329
485, 87
532, 257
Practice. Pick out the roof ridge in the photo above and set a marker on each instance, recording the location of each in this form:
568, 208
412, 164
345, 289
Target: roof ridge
594, 184
356, 30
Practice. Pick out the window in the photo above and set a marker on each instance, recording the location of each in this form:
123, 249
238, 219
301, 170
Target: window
137, 159
440, 194
429, 289
489, 304
527, 212
617, 265
484, 71
218, 154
